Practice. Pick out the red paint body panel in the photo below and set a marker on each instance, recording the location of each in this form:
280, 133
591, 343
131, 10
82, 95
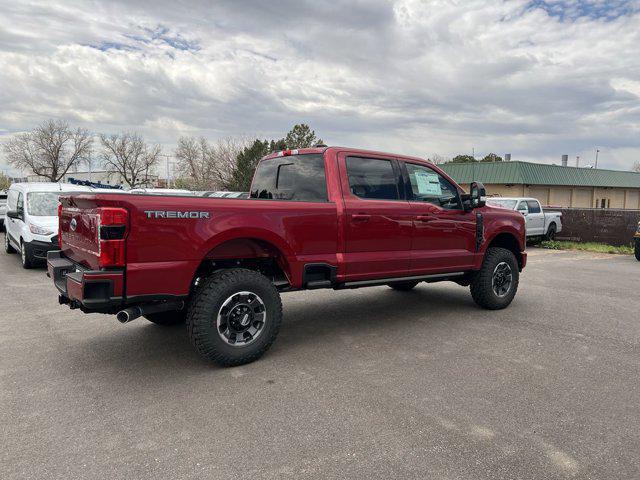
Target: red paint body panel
163, 254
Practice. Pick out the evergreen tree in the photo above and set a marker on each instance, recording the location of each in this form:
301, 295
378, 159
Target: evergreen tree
463, 159
246, 163
301, 136
492, 157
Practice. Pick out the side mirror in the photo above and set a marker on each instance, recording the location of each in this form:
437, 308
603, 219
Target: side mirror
13, 214
478, 195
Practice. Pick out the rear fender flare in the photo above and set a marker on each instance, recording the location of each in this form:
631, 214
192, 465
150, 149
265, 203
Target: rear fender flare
277, 246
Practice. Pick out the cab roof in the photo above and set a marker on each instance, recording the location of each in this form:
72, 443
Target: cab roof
336, 149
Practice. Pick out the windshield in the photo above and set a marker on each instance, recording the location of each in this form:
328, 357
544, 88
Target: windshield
42, 204
510, 204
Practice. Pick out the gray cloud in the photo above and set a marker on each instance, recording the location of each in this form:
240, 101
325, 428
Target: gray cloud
536, 79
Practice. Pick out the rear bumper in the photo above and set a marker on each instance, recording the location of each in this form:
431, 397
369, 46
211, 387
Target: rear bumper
89, 290
39, 249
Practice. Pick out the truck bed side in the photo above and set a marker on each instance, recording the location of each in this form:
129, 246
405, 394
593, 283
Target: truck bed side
164, 249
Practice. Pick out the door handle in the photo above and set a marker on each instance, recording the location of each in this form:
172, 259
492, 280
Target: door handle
425, 218
360, 217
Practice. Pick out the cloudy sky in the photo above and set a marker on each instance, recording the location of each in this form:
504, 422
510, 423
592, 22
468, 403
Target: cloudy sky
534, 78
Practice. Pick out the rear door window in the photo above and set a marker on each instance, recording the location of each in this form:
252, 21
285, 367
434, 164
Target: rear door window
372, 178
295, 178
534, 206
12, 199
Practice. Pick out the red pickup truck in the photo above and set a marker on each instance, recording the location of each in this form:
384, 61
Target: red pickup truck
316, 218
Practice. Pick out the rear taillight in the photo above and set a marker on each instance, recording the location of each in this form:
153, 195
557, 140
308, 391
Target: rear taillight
112, 253
113, 229
60, 225
113, 216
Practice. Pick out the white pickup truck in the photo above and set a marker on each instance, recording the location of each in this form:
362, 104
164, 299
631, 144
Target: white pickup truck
538, 222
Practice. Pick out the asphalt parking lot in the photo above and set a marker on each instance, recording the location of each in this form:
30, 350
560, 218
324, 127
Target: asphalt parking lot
368, 383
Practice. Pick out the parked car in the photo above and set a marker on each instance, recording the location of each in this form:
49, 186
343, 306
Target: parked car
317, 218
3, 208
31, 226
636, 239
540, 224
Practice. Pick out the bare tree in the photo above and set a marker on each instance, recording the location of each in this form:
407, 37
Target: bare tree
130, 156
194, 163
439, 159
225, 155
208, 165
50, 150
636, 166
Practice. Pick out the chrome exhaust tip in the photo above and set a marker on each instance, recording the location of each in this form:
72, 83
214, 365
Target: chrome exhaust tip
128, 314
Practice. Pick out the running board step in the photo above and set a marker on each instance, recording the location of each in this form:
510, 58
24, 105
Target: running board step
319, 284
384, 281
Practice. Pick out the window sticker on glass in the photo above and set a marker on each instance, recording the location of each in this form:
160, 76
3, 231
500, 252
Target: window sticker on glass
428, 183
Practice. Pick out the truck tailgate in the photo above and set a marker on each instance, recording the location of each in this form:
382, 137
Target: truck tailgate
91, 232
79, 231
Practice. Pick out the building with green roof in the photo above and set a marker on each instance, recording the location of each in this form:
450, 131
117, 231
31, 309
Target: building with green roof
554, 185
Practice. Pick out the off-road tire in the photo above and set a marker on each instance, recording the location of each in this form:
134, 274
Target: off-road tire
482, 286
551, 232
7, 246
205, 306
167, 318
27, 259
636, 249
403, 286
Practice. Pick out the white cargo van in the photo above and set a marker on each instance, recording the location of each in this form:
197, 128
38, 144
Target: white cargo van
31, 225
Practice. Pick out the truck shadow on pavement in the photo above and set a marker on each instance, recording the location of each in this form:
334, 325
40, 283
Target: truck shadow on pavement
361, 314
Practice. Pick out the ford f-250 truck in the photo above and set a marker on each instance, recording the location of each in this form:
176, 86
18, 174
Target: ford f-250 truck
540, 224
316, 218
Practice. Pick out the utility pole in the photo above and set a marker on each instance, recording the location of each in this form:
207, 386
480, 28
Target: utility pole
597, 152
577, 160
168, 166
168, 176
